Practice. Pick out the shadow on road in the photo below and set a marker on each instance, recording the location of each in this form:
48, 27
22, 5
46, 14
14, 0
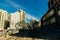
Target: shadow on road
37, 33
29, 33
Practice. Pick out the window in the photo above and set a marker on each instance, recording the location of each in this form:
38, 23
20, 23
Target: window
52, 20
48, 22
59, 0
50, 13
58, 12
48, 5
58, 7
52, 2
44, 18
44, 23
6, 24
55, 0
0, 17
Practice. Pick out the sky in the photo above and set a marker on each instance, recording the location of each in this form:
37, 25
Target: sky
36, 8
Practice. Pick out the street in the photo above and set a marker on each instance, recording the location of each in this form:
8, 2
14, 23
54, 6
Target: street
25, 35
29, 34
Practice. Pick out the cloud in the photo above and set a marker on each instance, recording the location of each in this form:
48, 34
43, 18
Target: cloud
15, 5
28, 16
5, 5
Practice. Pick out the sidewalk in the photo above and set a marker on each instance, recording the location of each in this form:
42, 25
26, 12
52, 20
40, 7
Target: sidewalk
8, 37
2, 38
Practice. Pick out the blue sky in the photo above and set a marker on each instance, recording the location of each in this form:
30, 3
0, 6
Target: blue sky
36, 8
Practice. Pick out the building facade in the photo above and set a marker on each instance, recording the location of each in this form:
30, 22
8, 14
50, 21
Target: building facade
4, 19
17, 18
14, 19
53, 14
22, 15
51, 3
22, 18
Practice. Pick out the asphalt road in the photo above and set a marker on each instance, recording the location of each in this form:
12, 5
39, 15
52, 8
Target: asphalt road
26, 35
35, 34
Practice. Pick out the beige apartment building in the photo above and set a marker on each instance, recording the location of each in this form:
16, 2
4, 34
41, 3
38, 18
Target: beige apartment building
17, 18
4, 19
22, 15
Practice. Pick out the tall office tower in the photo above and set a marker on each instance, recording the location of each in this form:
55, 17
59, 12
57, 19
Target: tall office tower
4, 19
